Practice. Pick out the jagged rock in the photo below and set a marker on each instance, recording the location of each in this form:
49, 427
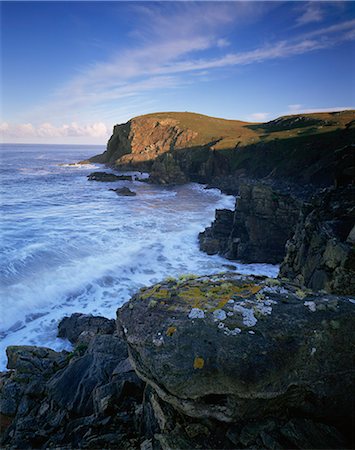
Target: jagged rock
90, 400
108, 177
165, 170
124, 191
258, 229
82, 327
30, 360
233, 348
215, 239
321, 253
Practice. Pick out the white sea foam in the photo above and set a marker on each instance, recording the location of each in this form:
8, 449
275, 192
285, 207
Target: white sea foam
71, 245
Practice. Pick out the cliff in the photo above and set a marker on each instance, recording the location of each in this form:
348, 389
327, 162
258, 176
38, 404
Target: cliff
321, 253
258, 229
309, 148
200, 362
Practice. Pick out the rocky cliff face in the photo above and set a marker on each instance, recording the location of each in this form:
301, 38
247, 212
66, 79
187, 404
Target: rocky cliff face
309, 149
144, 139
258, 229
321, 253
201, 362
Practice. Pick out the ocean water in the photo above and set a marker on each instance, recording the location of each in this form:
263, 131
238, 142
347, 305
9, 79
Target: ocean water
71, 245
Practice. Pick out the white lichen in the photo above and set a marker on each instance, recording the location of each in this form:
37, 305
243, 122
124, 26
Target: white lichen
158, 341
233, 332
310, 305
249, 320
313, 351
219, 314
274, 290
196, 313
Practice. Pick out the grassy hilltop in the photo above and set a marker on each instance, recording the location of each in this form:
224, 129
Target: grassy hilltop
314, 147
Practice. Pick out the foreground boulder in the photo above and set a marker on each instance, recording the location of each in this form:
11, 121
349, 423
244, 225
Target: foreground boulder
108, 177
321, 253
224, 361
233, 348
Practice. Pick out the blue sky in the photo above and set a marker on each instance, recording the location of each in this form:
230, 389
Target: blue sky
71, 70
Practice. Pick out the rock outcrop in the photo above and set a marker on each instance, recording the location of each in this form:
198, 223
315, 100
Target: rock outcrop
321, 254
257, 231
108, 177
225, 361
124, 191
83, 399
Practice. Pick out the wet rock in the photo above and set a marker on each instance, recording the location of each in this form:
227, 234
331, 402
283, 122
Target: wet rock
82, 327
108, 177
124, 191
261, 357
321, 254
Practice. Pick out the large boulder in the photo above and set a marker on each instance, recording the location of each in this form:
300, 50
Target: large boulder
237, 348
321, 253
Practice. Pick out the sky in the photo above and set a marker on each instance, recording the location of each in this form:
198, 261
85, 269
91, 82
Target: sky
71, 70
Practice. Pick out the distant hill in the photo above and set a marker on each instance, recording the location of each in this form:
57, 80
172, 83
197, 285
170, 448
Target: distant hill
310, 147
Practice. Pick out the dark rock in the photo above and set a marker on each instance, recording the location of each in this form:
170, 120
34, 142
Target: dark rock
321, 253
31, 360
230, 348
108, 177
166, 170
73, 388
215, 239
303, 433
82, 327
124, 191
258, 229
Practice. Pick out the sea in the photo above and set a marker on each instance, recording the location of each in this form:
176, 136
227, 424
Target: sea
71, 245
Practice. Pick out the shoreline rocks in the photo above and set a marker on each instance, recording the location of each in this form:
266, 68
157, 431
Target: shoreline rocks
124, 191
108, 177
321, 253
222, 361
258, 229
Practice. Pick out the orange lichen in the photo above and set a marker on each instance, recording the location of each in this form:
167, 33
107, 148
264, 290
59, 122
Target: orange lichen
199, 363
170, 331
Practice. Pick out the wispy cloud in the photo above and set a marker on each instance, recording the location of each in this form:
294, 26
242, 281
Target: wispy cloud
182, 39
300, 109
311, 12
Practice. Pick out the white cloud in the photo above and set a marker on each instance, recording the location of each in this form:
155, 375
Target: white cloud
221, 43
47, 131
259, 117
